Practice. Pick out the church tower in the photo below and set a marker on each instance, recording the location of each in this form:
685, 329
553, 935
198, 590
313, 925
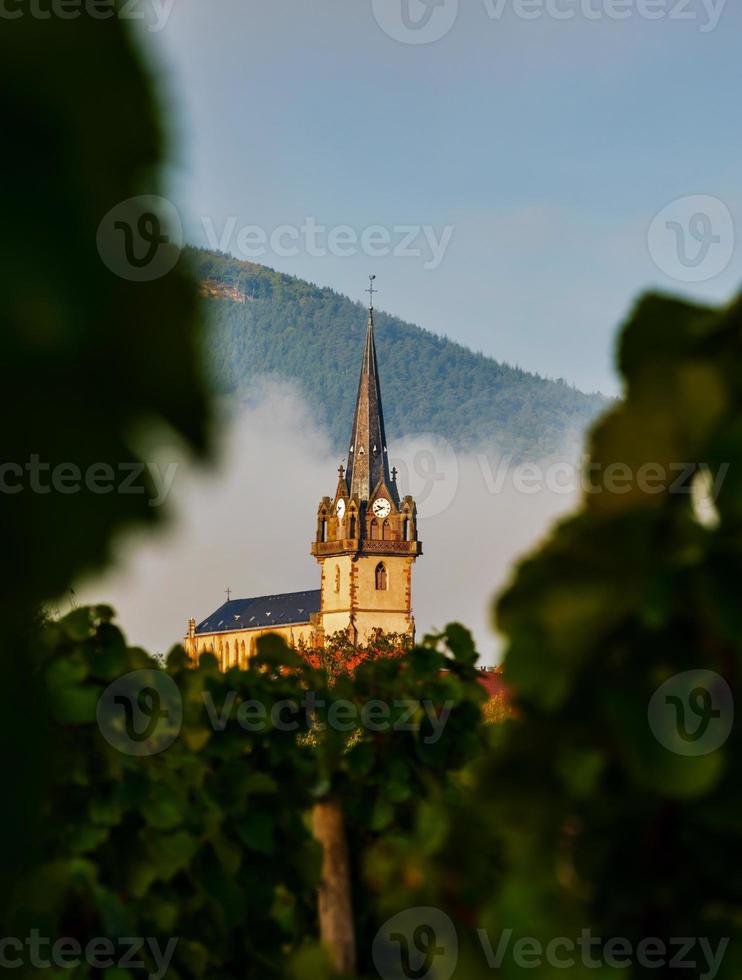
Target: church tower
366, 540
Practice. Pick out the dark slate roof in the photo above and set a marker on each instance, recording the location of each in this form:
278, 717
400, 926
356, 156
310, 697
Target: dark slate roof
288, 609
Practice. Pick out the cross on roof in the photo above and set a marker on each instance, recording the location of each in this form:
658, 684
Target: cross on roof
228, 593
371, 292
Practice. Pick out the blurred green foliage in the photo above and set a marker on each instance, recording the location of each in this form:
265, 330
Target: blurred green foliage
205, 840
96, 369
209, 839
386, 780
579, 817
91, 360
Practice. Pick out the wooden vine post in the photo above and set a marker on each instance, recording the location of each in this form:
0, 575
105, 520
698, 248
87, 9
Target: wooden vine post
335, 903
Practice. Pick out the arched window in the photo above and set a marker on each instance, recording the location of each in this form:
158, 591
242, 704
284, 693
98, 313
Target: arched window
352, 531
323, 530
374, 529
385, 531
337, 578
381, 577
243, 655
406, 529
226, 655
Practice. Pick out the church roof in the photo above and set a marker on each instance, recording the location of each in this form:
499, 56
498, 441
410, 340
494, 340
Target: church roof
368, 461
286, 609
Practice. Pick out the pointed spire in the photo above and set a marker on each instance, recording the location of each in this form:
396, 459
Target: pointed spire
367, 456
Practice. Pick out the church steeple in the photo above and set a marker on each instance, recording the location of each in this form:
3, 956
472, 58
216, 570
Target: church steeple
368, 460
366, 538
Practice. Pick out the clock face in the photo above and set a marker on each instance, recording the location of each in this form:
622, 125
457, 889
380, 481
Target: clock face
340, 509
381, 507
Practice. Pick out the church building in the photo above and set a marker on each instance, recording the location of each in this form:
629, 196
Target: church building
366, 542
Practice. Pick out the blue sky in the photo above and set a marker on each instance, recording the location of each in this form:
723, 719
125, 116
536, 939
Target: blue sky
546, 147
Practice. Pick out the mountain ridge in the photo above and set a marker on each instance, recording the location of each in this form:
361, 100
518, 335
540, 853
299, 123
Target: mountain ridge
266, 323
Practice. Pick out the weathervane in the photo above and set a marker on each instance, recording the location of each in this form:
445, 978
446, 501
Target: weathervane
371, 292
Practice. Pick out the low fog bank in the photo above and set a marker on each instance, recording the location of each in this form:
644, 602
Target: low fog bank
247, 525
478, 515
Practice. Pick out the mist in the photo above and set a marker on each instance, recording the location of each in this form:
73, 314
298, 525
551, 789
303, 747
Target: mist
246, 524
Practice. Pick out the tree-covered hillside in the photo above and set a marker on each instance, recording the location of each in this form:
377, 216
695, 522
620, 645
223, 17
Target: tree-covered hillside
293, 330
